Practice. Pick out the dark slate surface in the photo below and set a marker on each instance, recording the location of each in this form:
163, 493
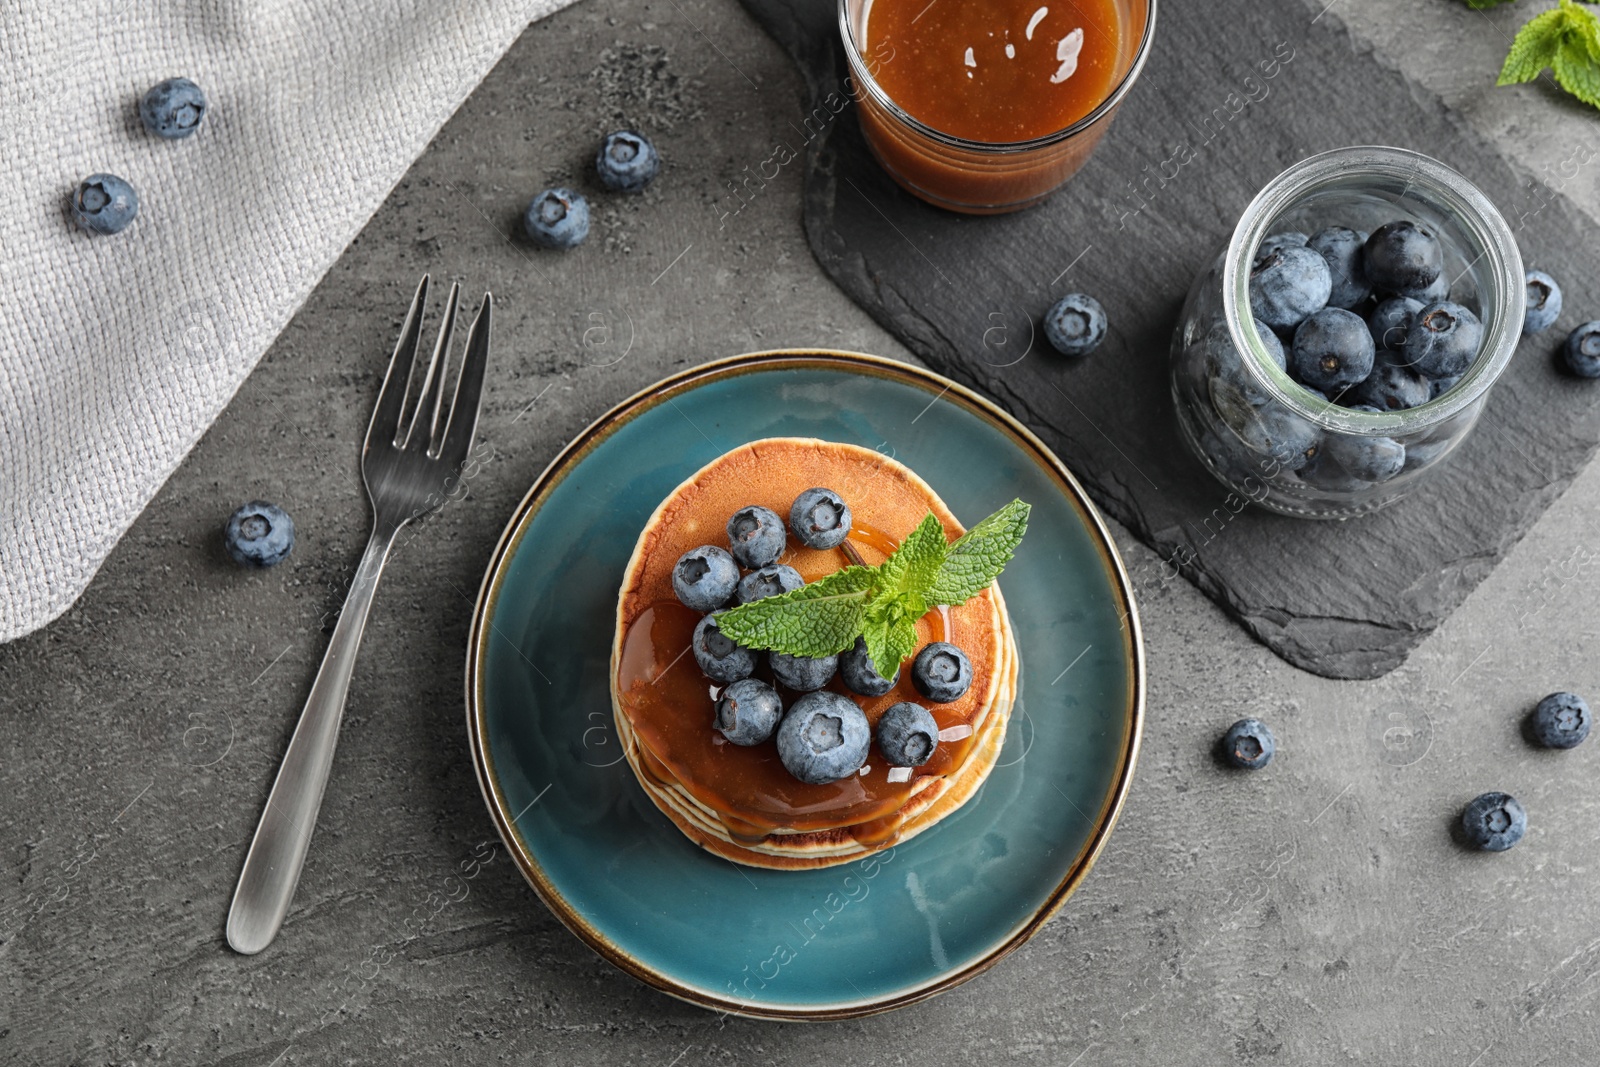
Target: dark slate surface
1344, 600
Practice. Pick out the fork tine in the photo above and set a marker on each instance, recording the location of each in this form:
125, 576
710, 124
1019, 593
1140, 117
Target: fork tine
385, 425
426, 417
463, 422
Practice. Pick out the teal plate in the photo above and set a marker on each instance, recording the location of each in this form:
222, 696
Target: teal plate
863, 937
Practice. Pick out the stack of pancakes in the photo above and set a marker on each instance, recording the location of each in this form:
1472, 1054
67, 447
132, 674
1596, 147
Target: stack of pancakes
739, 802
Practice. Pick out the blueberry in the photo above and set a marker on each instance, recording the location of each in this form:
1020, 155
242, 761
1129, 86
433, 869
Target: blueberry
907, 734
1075, 325
557, 218
1544, 302
1248, 745
1287, 284
1332, 351
1429, 294
1340, 248
173, 108
941, 672
719, 657
1422, 453
768, 581
1323, 473
104, 203
1582, 350
756, 536
1494, 822
1443, 340
1437, 387
823, 738
1283, 435
820, 518
704, 578
802, 673
1392, 385
627, 161
748, 711
1402, 256
259, 534
856, 668
1286, 239
1561, 720
1390, 320
1232, 388
1368, 459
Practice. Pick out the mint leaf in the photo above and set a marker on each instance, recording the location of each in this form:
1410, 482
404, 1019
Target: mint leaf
977, 556
890, 630
915, 564
1575, 65
818, 619
1534, 47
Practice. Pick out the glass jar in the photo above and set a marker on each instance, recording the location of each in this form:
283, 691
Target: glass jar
978, 177
1292, 450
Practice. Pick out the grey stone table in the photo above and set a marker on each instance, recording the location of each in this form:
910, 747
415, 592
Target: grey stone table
1315, 913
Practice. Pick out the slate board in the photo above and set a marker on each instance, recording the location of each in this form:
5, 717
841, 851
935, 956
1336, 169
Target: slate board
1340, 599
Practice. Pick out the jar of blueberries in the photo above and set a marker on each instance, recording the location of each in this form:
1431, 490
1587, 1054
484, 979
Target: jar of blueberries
1346, 339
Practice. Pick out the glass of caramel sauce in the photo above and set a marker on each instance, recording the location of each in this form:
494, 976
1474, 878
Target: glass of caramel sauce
986, 106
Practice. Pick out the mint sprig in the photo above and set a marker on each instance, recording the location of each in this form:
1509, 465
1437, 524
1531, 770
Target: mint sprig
1565, 39
882, 604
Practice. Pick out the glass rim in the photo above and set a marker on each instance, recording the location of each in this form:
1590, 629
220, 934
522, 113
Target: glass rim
858, 69
1446, 188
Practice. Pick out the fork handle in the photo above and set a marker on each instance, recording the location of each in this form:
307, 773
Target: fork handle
272, 867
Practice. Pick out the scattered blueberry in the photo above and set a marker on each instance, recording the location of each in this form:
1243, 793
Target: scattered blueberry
1561, 720
756, 536
856, 668
1283, 435
104, 203
1401, 257
1392, 385
557, 218
1390, 320
719, 657
820, 518
1494, 822
748, 711
1368, 459
1340, 247
907, 734
704, 578
802, 673
1582, 350
173, 108
1075, 325
1249, 745
1287, 284
1442, 340
1332, 351
627, 161
823, 738
768, 581
1544, 302
941, 672
259, 534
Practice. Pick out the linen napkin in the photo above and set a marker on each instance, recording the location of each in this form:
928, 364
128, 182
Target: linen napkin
117, 352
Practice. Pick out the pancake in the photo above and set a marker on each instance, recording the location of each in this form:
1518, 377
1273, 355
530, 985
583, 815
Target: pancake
740, 802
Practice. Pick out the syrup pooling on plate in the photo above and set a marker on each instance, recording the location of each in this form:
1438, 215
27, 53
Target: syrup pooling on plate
996, 71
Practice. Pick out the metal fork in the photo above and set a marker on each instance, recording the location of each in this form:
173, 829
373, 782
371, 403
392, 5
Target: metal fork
409, 469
